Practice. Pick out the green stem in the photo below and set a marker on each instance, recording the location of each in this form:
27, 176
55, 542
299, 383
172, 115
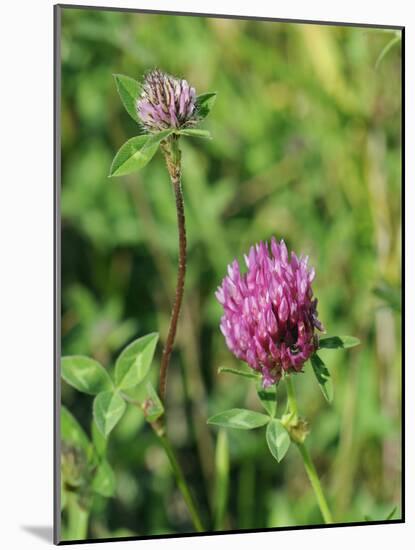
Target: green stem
308, 463
181, 482
77, 520
315, 482
159, 430
292, 400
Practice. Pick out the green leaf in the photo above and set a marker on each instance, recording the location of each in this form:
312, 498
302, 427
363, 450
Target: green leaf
103, 482
323, 377
239, 372
108, 409
132, 156
136, 153
129, 90
278, 439
85, 374
335, 342
204, 103
72, 433
134, 361
153, 407
241, 419
195, 133
268, 397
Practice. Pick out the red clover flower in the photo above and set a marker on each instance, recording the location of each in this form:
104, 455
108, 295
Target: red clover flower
269, 311
166, 102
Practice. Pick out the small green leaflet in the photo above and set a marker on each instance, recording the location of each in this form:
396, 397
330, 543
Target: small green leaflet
240, 419
107, 410
204, 103
85, 374
335, 342
136, 153
323, 377
278, 439
129, 90
268, 397
134, 362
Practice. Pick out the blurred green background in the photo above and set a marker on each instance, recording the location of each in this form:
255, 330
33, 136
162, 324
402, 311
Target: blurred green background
306, 146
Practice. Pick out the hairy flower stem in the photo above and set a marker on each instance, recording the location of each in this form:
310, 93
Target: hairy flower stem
305, 455
172, 156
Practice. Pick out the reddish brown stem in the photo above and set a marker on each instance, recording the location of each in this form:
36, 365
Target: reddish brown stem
173, 160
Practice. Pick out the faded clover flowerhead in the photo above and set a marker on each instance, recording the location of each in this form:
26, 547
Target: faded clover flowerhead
166, 102
269, 312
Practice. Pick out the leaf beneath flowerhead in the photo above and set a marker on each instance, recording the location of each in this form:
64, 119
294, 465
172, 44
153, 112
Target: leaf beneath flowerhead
240, 419
85, 374
204, 103
129, 91
136, 153
134, 361
108, 409
336, 342
323, 377
278, 439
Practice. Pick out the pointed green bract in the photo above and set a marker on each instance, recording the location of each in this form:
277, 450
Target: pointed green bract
103, 482
129, 91
194, 132
240, 419
85, 374
204, 103
323, 377
239, 372
336, 342
278, 439
134, 362
108, 409
268, 397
